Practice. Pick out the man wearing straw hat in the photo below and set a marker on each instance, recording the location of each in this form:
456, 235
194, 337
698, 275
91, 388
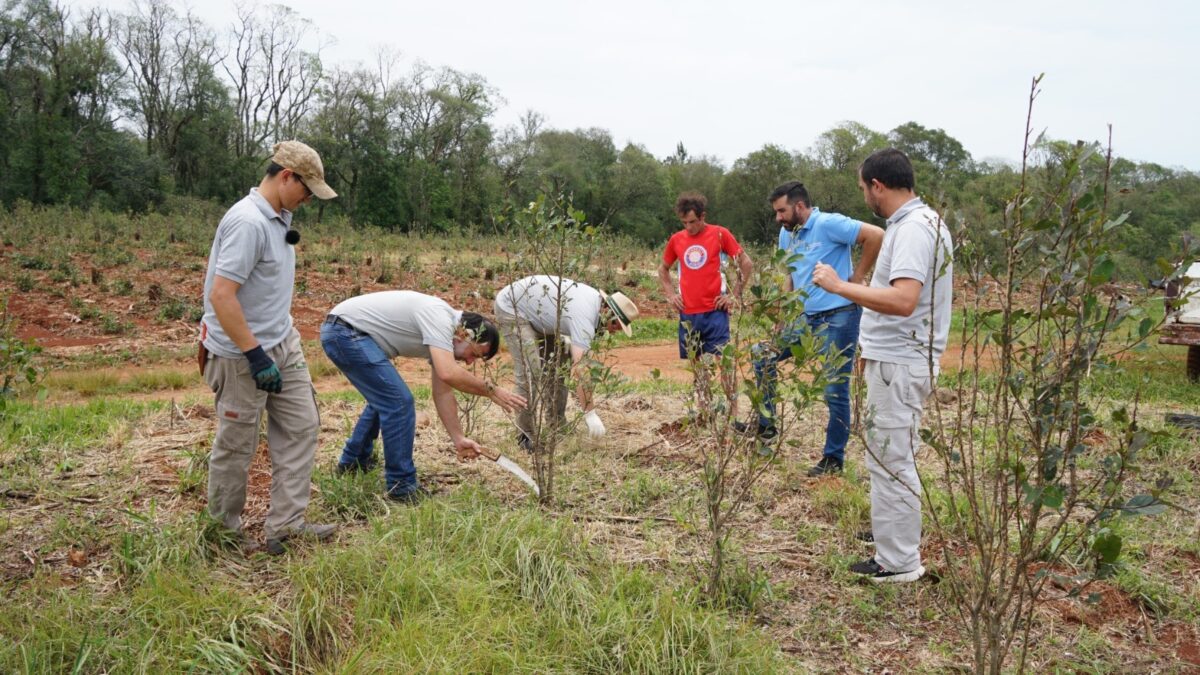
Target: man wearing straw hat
537, 315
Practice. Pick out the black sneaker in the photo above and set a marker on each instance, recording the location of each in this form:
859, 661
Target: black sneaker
524, 442
278, 545
354, 467
412, 497
828, 466
761, 432
878, 575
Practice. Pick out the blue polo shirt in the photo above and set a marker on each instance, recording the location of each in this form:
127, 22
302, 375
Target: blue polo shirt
827, 238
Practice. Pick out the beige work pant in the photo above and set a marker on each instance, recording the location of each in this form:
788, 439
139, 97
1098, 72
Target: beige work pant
896, 396
292, 425
532, 353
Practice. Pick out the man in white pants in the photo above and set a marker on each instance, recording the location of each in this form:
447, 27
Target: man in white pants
537, 315
905, 323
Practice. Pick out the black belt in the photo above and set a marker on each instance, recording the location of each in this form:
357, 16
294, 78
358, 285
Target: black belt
335, 320
830, 312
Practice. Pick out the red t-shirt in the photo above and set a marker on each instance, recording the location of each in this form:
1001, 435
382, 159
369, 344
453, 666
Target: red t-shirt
700, 265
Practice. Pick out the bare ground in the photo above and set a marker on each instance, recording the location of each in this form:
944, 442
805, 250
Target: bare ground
635, 495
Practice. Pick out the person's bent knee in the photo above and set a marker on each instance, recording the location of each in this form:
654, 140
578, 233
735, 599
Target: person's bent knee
407, 403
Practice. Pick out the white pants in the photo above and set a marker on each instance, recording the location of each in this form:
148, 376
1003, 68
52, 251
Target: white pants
896, 396
532, 353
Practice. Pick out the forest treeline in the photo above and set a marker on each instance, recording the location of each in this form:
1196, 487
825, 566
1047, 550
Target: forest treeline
133, 110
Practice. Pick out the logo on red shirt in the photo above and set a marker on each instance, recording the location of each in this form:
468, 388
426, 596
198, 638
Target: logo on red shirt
695, 256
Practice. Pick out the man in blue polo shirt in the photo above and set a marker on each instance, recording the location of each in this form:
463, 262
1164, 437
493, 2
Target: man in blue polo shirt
812, 236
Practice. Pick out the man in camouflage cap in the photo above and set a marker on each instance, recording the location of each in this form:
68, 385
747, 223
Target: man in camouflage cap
250, 350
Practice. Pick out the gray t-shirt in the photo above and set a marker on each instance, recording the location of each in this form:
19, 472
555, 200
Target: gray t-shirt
249, 248
535, 299
915, 232
402, 323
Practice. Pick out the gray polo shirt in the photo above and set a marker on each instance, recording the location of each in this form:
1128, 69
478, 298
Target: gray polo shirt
402, 323
535, 299
249, 248
916, 245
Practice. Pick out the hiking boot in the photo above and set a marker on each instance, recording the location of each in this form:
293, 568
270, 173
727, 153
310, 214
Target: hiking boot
878, 575
364, 466
767, 433
249, 545
828, 466
524, 442
412, 497
278, 545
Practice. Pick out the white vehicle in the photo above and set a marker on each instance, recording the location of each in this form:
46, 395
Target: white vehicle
1183, 325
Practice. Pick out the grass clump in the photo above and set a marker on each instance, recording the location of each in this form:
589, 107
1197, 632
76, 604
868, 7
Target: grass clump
458, 584
463, 586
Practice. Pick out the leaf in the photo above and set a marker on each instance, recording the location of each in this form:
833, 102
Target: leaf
1119, 220
1140, 440
1050, 462
1107, 547
1143, 505
1052, 496
1144, 327
1103, 272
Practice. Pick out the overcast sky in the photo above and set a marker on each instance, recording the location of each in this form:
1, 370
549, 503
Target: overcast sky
726, 78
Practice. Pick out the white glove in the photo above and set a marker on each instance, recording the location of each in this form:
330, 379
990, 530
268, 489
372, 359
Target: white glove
594, 425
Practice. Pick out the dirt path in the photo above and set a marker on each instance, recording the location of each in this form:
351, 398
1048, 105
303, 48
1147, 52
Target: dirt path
638, 362
635, 363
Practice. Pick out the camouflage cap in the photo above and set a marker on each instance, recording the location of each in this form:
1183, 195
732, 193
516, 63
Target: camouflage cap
306, 163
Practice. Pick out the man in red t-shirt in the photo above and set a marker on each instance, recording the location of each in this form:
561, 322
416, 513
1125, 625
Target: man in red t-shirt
701, 300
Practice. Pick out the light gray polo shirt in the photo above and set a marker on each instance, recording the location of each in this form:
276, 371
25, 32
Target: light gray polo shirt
916, 245
402, 323
535, 299
249, 248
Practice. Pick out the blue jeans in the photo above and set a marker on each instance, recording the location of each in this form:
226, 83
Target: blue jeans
837, 333
390, 408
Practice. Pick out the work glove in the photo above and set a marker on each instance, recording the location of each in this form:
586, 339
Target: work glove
266, 374
594, 425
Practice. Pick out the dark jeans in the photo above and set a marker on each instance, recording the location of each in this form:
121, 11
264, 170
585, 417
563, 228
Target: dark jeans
837, 333
704, 333
390, 408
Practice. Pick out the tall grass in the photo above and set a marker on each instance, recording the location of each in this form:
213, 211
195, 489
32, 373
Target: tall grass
465, 587
30, 427
460, 584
